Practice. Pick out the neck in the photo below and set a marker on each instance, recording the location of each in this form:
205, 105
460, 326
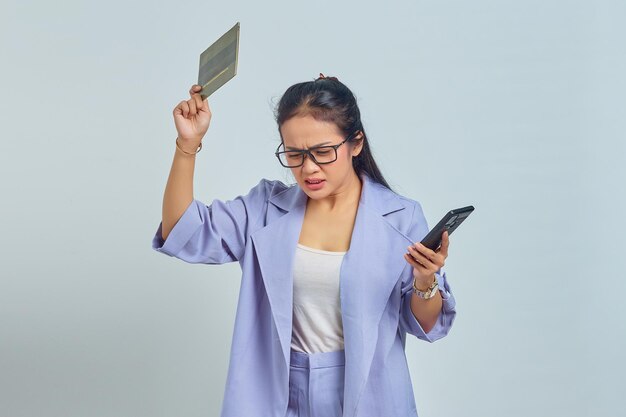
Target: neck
346, 198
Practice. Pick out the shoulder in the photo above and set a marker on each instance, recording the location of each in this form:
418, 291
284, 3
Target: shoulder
271, 187
413, 207
409, 202
266, 188
410, 205
409, 217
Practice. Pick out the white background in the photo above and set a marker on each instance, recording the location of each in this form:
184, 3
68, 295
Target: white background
515, 107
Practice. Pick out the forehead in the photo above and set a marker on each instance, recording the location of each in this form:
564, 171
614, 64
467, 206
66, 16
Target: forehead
306, 131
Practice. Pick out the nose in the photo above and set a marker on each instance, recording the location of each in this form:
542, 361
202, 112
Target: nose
309, 164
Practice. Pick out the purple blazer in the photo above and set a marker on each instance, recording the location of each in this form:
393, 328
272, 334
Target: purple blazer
260, 230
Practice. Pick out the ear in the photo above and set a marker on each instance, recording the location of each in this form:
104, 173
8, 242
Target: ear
357, 144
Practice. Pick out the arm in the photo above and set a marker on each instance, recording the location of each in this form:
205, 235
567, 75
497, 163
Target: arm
426, 311
189, 229
192, 119
217, 233
438, 313
445, 316
178, 191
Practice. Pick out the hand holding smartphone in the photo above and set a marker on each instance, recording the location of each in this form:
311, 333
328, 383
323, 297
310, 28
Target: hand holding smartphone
449, 222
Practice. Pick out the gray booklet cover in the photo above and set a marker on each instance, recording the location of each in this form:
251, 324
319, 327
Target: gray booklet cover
218, 63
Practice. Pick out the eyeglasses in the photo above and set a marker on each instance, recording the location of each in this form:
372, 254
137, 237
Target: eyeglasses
319, 154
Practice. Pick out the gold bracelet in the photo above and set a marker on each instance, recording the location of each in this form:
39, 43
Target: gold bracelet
188, 153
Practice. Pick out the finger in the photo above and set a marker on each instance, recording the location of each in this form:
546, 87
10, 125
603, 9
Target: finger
185, 108
178, 110
427, 252
422, 259
195, 89
445, 243
205, 106
198, 99
418, 266
192, 107
194, 92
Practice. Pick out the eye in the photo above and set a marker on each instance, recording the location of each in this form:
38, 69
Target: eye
322, 152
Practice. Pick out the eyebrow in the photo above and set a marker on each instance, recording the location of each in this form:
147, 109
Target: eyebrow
314, 146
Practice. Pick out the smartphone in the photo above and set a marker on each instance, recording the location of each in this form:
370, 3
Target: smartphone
449, 222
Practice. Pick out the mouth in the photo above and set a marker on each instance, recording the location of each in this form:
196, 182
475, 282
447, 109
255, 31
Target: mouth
314, 185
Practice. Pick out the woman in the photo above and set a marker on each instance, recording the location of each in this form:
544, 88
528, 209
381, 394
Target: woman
333, 275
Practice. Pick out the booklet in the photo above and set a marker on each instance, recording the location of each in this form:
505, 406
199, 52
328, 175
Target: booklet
218, 63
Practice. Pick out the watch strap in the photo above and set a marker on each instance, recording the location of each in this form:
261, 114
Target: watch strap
429, 292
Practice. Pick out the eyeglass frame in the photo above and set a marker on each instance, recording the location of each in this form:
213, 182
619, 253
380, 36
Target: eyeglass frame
310, 155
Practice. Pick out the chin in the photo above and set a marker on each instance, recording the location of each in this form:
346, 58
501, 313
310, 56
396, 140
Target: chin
315, 195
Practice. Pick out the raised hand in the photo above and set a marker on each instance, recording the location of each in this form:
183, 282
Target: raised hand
192, 118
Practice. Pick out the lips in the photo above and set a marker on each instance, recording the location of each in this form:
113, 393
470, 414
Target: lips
313, 184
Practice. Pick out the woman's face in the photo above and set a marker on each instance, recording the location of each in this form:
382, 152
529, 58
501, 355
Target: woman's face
305, 132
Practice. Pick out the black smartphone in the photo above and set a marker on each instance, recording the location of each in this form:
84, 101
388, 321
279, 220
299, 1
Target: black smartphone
449, 222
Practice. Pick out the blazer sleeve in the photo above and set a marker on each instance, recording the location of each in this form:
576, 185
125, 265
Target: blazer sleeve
216, 233
408, 323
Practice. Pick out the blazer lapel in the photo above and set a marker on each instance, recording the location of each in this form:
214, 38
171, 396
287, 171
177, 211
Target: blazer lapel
369, 272
275, 246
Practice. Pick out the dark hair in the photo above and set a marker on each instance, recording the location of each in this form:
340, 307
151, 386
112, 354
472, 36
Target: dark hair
328, 99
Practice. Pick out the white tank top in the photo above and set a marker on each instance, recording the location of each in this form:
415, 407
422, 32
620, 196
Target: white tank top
317, 324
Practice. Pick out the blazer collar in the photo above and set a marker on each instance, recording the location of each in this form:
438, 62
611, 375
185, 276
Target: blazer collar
370, 270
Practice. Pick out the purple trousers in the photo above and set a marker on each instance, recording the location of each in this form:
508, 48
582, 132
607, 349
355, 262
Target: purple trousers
316, 382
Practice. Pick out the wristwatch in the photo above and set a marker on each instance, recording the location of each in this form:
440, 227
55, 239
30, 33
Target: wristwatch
429, 292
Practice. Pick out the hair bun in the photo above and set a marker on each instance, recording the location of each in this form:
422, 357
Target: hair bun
322, 76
